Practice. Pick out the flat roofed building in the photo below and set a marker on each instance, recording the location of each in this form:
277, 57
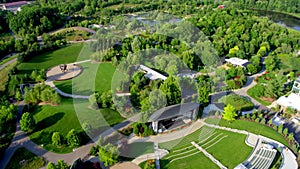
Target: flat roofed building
292, 101
152, 74
237, 61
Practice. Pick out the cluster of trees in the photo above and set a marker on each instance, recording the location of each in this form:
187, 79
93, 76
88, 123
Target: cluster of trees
72, 138
8, 115
149, 96
101, 100
142, 130
34, 20
3, 22
241, 34
270, 86
263, 117
41, 93
27, 122
109, 153
61, 164
291, 6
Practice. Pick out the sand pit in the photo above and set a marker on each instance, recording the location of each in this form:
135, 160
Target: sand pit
56, 73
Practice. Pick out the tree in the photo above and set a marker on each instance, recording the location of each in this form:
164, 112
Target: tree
51, 166
203, 94
289, 112
172, 90
272, 62
285, 131
18, 95
73, 138
109, 154
229, 113
61, 164
56, 139
251, 68
27, 122
280, 127
290, 137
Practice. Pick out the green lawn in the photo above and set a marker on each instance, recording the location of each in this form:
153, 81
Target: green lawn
31, 161
289, 63
240, 103
95, 77
252, 93
69, 115
227, 147
4, 76
197, 161
68, 54
252, 127
136, 149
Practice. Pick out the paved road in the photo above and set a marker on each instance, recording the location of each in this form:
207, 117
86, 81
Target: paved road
9, 62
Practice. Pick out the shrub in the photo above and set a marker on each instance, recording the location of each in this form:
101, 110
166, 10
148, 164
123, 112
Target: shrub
238, 102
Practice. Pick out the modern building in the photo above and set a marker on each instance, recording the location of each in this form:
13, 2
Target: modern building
173, 116
238, 62
293, 100
296, 87
14, 6
152, 74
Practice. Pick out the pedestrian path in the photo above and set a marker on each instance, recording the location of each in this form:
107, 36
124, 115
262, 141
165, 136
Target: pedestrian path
217, 162
51, 84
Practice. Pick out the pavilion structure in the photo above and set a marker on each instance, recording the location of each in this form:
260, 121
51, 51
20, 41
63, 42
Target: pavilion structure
174, 116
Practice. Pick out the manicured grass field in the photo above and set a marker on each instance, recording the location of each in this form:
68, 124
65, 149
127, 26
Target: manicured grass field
240, 103
197, 161
68, 54
31, 161
251, 92
67, 116
4, 75
289, 63
136, 149
95, 77
227, 147
252, 127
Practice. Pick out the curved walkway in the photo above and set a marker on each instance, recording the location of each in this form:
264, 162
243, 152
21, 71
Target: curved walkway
251, 83
9, 62
51, 84
21, 139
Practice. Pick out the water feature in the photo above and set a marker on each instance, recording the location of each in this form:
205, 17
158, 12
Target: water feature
286, 20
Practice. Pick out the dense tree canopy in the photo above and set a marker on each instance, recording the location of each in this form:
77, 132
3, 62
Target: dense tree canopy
34, 20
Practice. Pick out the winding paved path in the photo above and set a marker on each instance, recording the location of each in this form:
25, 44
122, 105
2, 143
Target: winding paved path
9, 62
21, 139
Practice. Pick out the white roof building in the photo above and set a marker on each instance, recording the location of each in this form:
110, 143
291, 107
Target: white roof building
237, 61
293, 101
151, 74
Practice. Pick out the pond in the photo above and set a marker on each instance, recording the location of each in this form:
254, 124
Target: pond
286, 20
